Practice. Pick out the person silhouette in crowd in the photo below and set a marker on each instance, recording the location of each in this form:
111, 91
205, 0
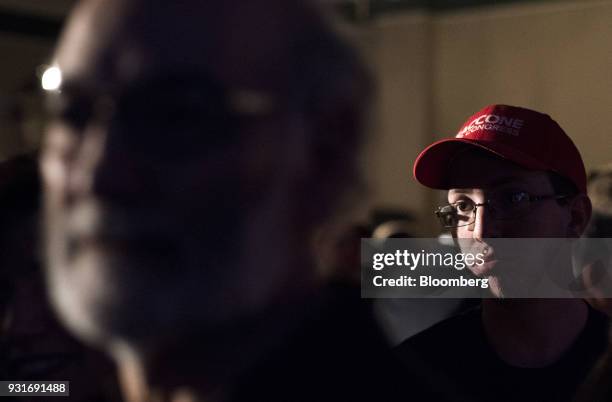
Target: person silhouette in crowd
600, 192
193, 149
598, 385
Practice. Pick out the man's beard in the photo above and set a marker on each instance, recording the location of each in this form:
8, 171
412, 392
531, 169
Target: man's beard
134, 287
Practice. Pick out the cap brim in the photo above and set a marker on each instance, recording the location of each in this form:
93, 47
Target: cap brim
432, 166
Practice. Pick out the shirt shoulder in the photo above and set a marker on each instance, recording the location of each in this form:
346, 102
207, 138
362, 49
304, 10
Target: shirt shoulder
445, 338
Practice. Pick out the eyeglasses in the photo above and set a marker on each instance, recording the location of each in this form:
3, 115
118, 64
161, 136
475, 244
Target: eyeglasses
513, 205
189, 112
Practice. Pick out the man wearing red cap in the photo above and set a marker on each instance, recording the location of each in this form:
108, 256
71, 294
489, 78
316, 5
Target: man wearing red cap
513, 173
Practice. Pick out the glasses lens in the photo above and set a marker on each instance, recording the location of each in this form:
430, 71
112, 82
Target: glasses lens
511, 205
452, 216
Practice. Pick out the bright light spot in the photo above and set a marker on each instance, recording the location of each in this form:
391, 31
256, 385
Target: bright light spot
51, 79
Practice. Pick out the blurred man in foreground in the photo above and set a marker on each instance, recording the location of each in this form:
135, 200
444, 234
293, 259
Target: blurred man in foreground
194, 147
511, 173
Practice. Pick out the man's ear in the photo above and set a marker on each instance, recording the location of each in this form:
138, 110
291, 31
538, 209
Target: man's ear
580, 215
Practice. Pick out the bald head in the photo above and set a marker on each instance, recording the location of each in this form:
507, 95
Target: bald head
246, 42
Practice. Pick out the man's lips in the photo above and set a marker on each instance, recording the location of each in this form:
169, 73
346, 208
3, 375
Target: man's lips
485, 268
124, 240
92, 227
490, 261
491, 265
98, 220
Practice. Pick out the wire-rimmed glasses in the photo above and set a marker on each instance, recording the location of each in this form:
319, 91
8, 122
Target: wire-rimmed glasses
508, 206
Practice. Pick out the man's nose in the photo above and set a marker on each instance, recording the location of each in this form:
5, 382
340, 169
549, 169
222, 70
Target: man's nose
104, 167
484, 225
81, 170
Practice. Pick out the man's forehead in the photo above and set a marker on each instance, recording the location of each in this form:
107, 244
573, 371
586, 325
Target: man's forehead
113, 42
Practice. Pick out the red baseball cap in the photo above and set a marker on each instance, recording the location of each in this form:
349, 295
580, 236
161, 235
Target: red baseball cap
528, 138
